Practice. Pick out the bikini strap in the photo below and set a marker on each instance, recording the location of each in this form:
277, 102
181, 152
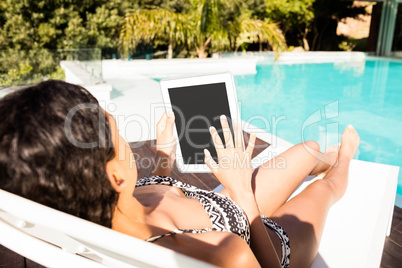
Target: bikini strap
163, 180
178, 231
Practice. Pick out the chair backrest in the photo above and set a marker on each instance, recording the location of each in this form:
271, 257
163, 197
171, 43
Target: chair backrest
53, 238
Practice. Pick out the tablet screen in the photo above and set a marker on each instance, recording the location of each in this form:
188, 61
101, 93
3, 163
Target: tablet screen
196, 108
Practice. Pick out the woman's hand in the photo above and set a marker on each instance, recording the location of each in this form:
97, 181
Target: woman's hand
165, 140
165, 145
234, 169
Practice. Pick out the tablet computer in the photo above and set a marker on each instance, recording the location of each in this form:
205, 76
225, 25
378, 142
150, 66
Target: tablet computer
197, 103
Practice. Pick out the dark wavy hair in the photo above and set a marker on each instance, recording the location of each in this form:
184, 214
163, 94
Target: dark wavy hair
55, 142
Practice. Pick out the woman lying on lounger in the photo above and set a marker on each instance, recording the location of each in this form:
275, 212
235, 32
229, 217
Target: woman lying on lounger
59, 148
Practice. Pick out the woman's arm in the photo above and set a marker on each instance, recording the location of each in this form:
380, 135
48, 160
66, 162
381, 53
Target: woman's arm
165, 146
222, 249
260, 241
234, 172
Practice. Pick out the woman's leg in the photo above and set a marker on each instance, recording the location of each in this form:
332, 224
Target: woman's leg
303, 217
276, 179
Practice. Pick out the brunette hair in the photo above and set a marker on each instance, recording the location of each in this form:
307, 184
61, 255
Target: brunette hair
55, 141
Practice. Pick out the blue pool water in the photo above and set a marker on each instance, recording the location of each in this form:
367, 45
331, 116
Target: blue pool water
299, 102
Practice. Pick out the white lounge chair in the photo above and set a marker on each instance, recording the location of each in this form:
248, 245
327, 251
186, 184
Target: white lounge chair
356, 226
56, 239
354, 234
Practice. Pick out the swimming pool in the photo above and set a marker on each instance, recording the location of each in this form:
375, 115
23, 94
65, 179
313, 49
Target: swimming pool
318, 100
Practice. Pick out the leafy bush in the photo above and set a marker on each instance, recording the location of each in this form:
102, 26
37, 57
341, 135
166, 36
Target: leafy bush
21, 67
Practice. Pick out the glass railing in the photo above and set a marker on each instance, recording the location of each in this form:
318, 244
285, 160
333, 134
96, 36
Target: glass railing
24, 67
85, 63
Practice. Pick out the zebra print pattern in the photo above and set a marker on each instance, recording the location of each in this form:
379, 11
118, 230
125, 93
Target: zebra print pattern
224, 213
283, 237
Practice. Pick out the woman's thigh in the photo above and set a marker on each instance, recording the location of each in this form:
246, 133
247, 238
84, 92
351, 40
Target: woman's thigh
276, 179
303, 218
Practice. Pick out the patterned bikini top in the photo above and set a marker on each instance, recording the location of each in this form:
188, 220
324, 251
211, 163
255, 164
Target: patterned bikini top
224, 213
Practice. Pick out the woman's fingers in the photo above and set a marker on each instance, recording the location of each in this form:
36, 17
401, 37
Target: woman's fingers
161, 125
166, 122
238, 134
216, 139
251, 144
210, 161
226, 132
170, 121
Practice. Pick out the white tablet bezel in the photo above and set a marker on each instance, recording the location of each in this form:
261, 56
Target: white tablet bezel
227, 78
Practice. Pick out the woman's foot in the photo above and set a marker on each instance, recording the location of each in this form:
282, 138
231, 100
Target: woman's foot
333, 148
349, 145
337, 177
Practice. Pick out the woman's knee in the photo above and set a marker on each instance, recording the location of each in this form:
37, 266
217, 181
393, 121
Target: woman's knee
311, 145
309, 150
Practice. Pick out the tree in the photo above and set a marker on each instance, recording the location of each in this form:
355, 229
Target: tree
253, 31
31, 31
152, 25
207, 25
59, 24
103, 27
295, 18
230, 23
216, 22
18, 67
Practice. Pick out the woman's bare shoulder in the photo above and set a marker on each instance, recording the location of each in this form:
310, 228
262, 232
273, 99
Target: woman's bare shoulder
223, 249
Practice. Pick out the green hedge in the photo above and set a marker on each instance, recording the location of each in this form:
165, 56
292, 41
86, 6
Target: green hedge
22, 67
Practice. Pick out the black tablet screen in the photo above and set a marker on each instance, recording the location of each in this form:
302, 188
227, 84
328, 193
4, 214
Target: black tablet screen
196, 108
